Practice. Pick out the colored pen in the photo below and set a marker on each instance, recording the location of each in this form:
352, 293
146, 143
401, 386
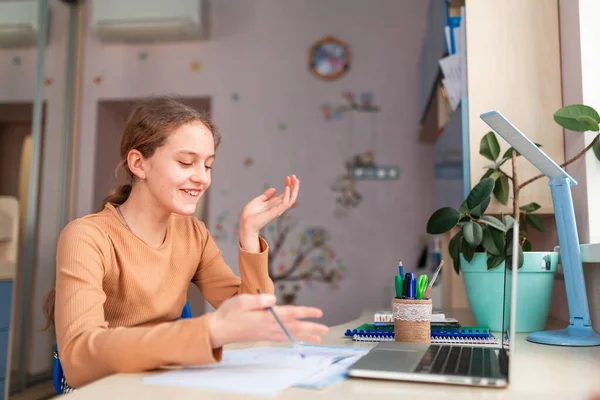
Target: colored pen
406, 285
437, 271
412, 293
285, 330
400, 268
399, 285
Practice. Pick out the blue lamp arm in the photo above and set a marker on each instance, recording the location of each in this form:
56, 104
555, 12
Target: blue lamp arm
570, 253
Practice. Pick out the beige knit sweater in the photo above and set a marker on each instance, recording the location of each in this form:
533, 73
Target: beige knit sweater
118, 300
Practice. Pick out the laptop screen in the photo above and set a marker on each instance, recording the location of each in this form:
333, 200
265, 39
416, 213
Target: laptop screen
510, 279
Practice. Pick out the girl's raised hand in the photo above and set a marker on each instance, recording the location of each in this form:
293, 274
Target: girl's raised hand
265, 208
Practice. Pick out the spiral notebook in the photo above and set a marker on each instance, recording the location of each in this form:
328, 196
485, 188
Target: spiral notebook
467, 335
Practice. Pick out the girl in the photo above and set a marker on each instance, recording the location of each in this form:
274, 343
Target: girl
122, 273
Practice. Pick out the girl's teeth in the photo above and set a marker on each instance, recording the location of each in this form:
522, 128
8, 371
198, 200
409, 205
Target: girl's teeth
192, 192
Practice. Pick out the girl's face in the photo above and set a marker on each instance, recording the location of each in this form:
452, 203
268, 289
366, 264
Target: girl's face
178, 173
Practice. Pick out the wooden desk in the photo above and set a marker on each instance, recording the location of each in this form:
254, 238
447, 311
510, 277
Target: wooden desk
539, 372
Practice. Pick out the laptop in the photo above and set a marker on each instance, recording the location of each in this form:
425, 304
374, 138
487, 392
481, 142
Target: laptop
448, 363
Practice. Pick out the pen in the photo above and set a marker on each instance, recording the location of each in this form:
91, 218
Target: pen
412, 289
287, 333
437, 271
406, 285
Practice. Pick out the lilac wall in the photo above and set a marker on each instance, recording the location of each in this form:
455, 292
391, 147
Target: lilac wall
258, 49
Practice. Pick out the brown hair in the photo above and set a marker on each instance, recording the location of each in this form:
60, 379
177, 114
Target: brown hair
147, 128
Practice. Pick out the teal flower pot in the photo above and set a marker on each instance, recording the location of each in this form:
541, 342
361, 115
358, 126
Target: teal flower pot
485, 289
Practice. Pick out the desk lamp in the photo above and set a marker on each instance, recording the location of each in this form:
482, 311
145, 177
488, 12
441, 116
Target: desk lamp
580, 331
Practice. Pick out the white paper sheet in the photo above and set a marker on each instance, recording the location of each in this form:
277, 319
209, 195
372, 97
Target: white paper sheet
265, 371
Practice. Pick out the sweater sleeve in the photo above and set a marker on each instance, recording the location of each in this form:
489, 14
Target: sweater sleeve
88, 348
216, 280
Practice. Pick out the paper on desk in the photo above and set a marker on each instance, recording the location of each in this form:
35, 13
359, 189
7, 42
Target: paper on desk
265, 371
346, 356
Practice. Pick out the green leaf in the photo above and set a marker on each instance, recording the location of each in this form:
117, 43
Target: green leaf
531, 207
489, 146
589, 122
509, 247
508, 153
467, 251
596, 149
494, 222
493, 261
522, 220
569, 117
442, 220
472, 233
454, 250
509, 221
490, 242
463, 210
480, 209
501, 189
535, 221
480, 192
526, 245
492, 173
508, 259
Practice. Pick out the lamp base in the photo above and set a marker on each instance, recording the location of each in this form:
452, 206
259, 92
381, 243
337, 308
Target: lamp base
570, 336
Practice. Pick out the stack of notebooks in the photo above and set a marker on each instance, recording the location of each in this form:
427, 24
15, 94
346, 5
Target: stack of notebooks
473, 335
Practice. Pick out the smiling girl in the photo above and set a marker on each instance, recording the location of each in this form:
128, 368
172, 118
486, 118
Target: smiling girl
122, 273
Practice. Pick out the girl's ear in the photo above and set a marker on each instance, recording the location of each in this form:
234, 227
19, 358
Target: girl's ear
135, 161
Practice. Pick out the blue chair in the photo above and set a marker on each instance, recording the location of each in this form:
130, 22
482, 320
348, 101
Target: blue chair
60, 384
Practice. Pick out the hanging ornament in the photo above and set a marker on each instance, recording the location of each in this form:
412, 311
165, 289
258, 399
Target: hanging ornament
195, 66
248, 161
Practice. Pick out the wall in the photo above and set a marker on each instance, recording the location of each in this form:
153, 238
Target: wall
258, 50
580, 63
17, 84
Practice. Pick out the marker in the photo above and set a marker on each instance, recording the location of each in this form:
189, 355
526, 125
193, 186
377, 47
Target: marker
412, 287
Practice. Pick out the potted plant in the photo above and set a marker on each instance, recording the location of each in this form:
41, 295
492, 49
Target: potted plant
481, 245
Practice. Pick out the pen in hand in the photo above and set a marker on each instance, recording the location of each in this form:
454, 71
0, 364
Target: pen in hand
285, 330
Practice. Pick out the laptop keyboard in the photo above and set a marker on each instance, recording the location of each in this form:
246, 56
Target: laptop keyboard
457, 360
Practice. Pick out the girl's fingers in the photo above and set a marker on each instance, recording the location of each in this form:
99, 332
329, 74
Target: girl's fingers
298, 312
295, 189
286, 195
307, 338
305, 327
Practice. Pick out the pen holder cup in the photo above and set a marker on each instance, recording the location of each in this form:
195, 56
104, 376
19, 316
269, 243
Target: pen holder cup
412, 320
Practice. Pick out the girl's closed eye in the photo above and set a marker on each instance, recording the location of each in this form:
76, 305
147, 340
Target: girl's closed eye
185, 164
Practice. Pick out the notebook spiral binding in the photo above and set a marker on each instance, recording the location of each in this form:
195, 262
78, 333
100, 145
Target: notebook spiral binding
491, 341
464, 336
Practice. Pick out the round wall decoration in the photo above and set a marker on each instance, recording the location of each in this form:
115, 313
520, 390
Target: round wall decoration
329, 58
